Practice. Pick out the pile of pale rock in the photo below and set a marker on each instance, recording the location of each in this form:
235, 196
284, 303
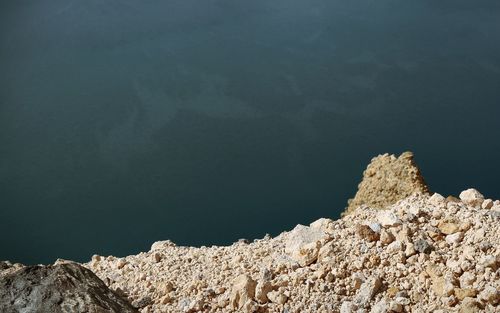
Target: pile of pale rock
423, 254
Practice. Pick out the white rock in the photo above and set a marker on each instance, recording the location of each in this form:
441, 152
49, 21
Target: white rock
437, 199
489, 261
347, 307
471, 197
380, 307
367, 291
403, 301
250, 307
467, 279
394, 247
490, 294
375, 227
277, 297
415, 210
410, 249
395, 307
387, 219
303, 244
323, 224
487, 204
160, 245
454, 238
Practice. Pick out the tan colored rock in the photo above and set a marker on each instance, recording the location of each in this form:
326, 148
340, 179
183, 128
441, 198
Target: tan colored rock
242, 291
448, 227
454, 238
490, 261
277, 297
365, 232
386, 237
250, 307
462, 293
487, 204
437, 199
386, 180
469, 305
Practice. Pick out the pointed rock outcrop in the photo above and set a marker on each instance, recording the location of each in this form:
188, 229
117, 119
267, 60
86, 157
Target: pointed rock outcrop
386, 180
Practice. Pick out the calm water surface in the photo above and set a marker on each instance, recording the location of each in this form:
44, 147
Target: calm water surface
126, 122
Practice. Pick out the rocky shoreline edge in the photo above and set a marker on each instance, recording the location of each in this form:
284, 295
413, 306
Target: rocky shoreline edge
400, 250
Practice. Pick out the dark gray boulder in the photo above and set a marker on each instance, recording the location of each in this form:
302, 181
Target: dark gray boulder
67, 287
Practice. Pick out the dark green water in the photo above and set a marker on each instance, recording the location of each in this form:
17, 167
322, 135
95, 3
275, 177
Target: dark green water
126, 122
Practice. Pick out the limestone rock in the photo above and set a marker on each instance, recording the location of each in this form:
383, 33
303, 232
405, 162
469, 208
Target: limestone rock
490, 294
347, 307
262, 289
388, 219
448, 227
303, 244
367, 291
329, 266
487, 204
159, 245
471, 197
242, 291
67, 287
386, 237
464, 293
386, 180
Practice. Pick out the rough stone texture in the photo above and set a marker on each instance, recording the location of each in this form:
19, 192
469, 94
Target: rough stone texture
243, 291
329, 266
423, 254
67, 287
303, 243
471, 197
386, 180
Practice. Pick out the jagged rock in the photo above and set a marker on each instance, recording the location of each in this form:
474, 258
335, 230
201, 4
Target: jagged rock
367, 291
487, 204
261, 291
67, 287
329, 266
365, 232
490, 294
303, 244
386, 180
242, 291
471, 197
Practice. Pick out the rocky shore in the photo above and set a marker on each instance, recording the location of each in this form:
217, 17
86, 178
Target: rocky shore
424, 253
